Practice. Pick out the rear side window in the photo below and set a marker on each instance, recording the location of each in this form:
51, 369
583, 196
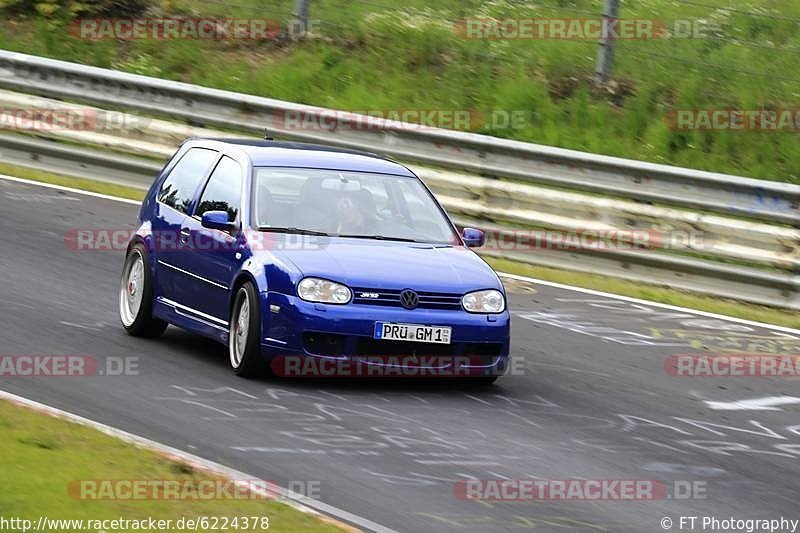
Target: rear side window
178, 189
224, 190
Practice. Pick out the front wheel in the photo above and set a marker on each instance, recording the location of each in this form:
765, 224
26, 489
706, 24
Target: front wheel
136, 296
244, 342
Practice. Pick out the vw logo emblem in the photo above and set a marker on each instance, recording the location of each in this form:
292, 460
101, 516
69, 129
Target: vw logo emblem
409, 299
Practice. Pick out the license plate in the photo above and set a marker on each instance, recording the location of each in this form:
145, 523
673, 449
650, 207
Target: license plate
412, 332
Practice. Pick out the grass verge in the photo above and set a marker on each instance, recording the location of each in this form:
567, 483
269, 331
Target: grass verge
655, 293
41, 456
385, 57
112, 189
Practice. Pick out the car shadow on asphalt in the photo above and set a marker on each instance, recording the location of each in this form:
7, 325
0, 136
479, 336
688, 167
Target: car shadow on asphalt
213, 354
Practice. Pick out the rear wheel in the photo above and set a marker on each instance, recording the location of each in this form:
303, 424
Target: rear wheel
136, 296
244, 343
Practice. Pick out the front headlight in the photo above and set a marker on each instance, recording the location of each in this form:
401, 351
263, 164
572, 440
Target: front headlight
490, 301
323, 291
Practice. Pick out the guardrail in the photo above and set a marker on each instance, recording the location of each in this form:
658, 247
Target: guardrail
747, 284
51, 156
745, 259
487, 156
513, 203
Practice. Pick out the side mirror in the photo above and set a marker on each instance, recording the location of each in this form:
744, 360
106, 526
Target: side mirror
217, 220
473, 238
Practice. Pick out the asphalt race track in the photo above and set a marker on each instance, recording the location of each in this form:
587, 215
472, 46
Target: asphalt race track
592, 400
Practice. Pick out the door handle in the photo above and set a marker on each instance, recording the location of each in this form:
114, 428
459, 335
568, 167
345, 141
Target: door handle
185, 234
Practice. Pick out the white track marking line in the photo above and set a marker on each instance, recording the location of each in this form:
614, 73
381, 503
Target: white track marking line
471, 397
650, 303
297, 501
457, 463
501, 274
768, 403
70, 189
209, 407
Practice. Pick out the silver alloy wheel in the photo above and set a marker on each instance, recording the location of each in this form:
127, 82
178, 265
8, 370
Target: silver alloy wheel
131, 288
239, 329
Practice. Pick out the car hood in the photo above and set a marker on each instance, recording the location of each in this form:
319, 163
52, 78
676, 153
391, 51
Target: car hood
394, 265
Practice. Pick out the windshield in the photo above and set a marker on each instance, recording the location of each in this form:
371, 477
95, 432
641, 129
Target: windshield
351, 204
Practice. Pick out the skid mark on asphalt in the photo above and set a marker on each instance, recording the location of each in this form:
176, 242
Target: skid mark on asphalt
324, 428
581, 433
770, 403
581, 325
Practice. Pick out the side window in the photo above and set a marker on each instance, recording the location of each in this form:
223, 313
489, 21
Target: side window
224, 190
178, 189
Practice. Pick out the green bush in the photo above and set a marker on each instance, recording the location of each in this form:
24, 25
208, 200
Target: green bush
70, 8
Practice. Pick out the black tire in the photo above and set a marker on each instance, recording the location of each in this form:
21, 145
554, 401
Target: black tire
246, 362
138, 322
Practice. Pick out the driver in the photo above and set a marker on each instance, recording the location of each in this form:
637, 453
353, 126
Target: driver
356, 213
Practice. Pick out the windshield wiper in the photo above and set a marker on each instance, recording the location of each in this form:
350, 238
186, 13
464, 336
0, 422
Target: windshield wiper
299, 231
378, 238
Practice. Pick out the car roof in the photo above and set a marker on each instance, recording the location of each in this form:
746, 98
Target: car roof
270, 153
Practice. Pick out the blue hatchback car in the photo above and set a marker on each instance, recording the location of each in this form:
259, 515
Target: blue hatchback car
315, 253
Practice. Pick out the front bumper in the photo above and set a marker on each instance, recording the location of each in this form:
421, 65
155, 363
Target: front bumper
344, 333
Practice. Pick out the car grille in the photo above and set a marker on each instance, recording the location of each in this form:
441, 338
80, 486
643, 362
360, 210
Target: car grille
391, 298
368, 346
333, 344
379, 347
